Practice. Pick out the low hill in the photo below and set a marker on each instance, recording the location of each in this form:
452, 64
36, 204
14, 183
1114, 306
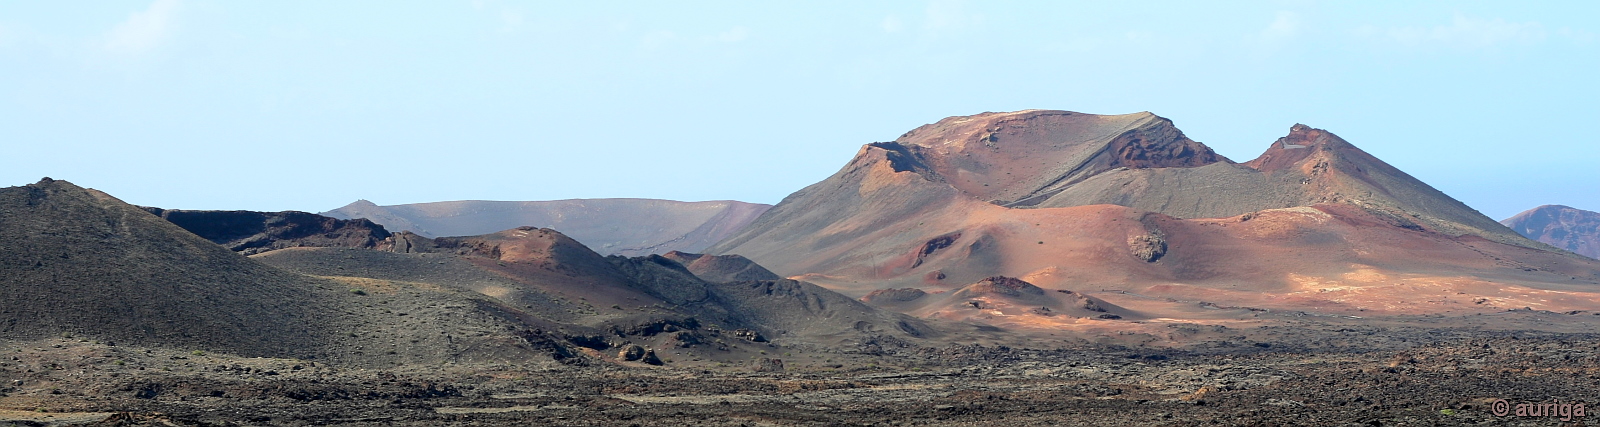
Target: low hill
80, 262
1564, 227
629, 227
604, 302
1002, 301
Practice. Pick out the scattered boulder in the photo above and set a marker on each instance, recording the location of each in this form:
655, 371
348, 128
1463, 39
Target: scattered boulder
650, 358
631, 352
1148, 247
748, 334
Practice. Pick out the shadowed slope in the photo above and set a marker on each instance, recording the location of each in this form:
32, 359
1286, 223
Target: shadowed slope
81, 262
628, 227
1564, 227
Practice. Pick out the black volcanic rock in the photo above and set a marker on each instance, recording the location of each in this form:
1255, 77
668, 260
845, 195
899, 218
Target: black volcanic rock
1564, 227
250, 232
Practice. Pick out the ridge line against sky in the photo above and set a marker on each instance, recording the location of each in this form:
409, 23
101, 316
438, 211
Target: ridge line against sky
191, 104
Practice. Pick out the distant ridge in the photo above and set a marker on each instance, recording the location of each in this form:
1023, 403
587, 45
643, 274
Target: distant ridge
629, 227
1569, 228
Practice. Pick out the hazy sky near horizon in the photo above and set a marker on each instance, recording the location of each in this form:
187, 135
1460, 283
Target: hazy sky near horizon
308, 106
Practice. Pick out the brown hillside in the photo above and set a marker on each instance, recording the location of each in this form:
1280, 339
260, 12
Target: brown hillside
607, 302
1314, 224
1567, 228
80, 262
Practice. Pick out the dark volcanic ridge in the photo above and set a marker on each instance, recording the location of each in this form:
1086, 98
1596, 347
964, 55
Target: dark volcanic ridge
629, 227
250, 232
1568, 228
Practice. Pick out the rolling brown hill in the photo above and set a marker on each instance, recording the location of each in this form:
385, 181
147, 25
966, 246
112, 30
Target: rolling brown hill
1127, 209
1564, 227
604, 302
629, 227
79, 262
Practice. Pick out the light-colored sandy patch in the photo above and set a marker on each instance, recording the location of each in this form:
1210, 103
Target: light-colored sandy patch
710, 399
522, 408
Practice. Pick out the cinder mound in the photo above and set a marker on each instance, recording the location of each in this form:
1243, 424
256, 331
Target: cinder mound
1003, 301
1572, 229
629, 227
79, 261
722, 268
251, 232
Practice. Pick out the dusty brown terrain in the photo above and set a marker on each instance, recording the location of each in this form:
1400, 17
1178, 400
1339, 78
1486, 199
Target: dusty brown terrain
1564, 227
628, 227
1133, 277
1308, 372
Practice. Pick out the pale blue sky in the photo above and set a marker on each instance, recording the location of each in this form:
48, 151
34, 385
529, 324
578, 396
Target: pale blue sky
311, 105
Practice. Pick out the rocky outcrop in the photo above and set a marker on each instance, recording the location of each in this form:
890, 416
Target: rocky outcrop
1007, 286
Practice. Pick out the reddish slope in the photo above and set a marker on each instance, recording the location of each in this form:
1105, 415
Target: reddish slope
1312, 214
1567, 228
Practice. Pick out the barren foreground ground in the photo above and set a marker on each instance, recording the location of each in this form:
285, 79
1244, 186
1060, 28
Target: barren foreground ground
1318, 374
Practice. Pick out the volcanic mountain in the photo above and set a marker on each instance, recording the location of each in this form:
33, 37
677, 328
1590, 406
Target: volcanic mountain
79, 262
1130, 210
629, 227
1564, 227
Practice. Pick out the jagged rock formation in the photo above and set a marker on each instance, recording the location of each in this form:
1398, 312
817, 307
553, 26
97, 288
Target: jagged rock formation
1568, 228
251, 232
628, 227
